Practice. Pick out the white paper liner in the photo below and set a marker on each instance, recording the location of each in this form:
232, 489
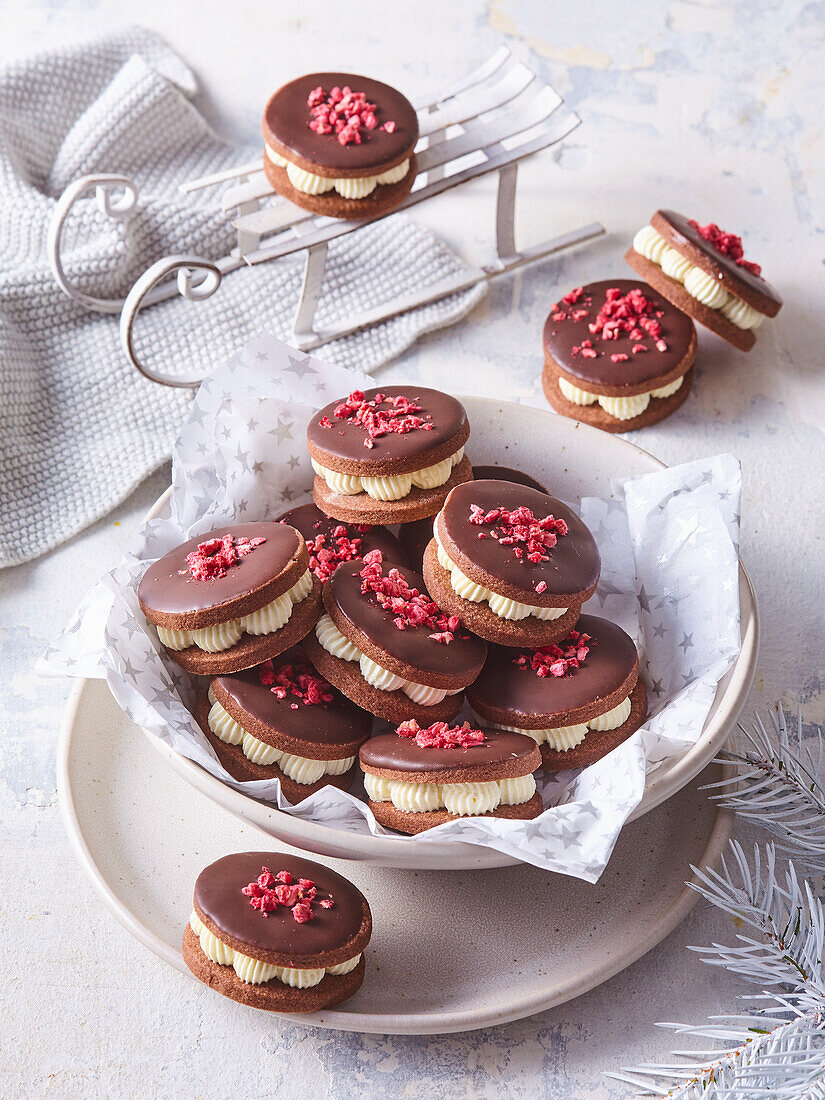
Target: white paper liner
669, 547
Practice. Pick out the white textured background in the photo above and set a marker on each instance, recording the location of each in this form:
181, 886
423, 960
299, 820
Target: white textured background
711, 108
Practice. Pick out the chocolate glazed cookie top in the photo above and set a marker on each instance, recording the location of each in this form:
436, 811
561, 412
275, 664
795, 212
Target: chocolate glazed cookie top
462, 658
562, 335
312, 522
337, 723
218, 895
168, 586
346, 441
390, 752
505, 685
573, 565
287, 117
681, 232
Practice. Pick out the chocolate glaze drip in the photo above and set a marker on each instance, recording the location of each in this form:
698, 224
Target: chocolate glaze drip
390, 752
218, 895
462, 658
608, 664
168, 586
560, 337
347, 440
574, 561
337, 723
287, 118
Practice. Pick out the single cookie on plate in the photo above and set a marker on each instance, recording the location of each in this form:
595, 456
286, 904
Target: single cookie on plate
415, 536
703, 271
513, 564
418, 778
617, 355
578, 699
331, 542
388, 455
340, 144
230, 599
278, 932
282, 720
385, 645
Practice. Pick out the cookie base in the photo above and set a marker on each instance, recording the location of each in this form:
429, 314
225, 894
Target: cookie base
273, 995
393, 818
598, 743
742, 338
659, 408
394, 706
361, 508
251, 649
384, 198
478, 617
240, 767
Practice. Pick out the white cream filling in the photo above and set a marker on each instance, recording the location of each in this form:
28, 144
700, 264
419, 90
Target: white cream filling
312, 184
266, 620
255, 972
500, 605
699, 285
622, 408
389, 488
302, 769
333, 641
563, 738
463, 799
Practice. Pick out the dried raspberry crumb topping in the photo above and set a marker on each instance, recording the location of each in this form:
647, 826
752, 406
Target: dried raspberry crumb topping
399, 415
727, 243
556, 660
532, 539
344, 113
410, 608
440, 735
326, 554
213, 559
299, 681
630, 315
269, 891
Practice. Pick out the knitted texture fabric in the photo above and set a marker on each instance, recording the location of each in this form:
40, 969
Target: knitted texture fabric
79, 427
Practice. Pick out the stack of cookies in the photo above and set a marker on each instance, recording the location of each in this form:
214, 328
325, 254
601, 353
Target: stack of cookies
308, 628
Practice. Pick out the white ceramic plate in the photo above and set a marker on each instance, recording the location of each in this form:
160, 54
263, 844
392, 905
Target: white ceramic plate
450, 952
573, 460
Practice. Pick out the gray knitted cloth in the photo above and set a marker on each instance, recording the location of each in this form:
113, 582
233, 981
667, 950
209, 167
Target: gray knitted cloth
79, 428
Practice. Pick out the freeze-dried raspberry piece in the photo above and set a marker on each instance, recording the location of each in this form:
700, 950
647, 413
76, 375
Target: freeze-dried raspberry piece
214, 558
296, 679
265, 896
326, 554
727, 243
410, 608
440, 735
343, 112
382, 415
556, 660
530, 537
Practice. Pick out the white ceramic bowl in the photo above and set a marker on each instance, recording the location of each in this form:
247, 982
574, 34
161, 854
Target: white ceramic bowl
573, 460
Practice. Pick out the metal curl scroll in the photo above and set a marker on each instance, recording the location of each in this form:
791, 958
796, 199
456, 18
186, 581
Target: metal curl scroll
197, 280
116, 198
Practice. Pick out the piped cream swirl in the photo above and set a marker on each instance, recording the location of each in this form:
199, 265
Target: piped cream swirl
462, 799
312, 184
266, 620
622, 408
254, 971
564, 738
395, 487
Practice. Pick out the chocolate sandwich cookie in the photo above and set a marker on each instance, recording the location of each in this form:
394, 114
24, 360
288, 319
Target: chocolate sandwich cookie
578, 699
274, 931
282, 720
617, 355
227, 600
340, 144
385, 644
388, 455
703, 271
418, 778
415, 536
331, 542
513, 564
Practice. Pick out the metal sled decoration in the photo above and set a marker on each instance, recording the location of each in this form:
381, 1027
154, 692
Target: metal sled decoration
487, 122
